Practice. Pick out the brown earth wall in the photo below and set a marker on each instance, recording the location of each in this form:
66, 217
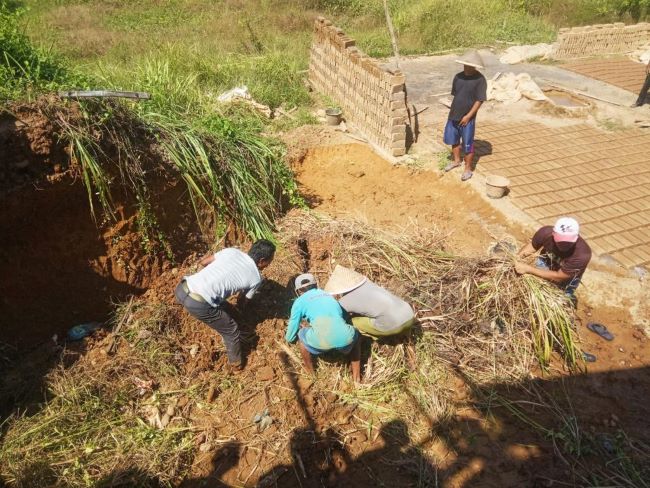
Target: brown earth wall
599, 39
372, 98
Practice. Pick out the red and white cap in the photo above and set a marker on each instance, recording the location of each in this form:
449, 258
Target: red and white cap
566, 229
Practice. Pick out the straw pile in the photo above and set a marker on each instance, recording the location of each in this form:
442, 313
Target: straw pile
484, 315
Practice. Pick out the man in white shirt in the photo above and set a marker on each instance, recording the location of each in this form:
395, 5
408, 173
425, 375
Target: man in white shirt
228, 272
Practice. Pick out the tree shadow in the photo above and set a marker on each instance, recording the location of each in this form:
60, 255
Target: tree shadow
540, 433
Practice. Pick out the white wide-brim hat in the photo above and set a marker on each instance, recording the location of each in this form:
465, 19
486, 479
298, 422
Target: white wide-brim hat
471, 58
344, 280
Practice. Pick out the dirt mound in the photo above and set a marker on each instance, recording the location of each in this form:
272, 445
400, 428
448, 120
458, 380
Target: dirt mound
350, 179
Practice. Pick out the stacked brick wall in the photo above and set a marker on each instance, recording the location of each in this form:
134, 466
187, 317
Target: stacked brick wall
590, 40
372, 98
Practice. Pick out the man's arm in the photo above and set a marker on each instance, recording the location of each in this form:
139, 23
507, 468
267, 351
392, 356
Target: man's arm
294, 321
207, 259
555, 276
527, 250
472, 112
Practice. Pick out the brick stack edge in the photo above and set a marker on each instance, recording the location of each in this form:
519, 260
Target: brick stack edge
372, 98
615, 38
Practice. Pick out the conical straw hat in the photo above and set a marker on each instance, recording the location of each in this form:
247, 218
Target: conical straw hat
344, 280
472, 58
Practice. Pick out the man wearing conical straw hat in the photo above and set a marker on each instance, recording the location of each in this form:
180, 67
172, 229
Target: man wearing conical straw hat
326, 331
469, 89
376, 312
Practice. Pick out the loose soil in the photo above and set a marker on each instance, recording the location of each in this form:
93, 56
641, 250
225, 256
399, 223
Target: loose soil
351, 180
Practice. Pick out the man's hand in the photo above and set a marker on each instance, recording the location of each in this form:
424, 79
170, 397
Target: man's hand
522, 268
465, 120
242, 301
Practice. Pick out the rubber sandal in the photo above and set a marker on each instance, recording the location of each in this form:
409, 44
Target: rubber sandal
601, 330
451, 166
588, 357
466, 176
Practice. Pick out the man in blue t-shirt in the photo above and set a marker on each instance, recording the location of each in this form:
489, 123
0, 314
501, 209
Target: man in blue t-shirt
327, 329
469, 90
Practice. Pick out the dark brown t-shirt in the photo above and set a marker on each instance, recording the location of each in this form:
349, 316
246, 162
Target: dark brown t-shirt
573, 263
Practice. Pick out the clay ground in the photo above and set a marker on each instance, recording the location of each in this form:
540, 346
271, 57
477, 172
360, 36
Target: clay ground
590, 165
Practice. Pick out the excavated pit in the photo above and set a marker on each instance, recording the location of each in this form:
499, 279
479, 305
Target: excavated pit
58, 266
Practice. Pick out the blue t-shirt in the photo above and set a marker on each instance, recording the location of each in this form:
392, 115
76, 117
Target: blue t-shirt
327, 327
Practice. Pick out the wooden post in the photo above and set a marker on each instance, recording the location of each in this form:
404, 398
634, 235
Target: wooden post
391, 31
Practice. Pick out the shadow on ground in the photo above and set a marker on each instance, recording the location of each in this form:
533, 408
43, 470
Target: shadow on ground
584, 430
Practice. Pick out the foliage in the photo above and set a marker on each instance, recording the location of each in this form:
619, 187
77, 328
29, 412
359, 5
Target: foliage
230, 169
24, 67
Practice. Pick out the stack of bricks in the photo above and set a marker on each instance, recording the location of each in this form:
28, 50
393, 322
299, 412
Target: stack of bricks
590, 40
372, 98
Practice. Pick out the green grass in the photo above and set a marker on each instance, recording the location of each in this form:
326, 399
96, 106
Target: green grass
25, 68
264, 44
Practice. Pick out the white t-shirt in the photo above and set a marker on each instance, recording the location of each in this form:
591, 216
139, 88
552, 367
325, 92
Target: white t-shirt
230, 272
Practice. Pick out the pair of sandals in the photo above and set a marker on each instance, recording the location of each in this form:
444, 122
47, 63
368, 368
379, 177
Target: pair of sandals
602, 331
465, 176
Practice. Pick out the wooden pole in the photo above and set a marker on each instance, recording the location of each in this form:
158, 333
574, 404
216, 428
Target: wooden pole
391, 31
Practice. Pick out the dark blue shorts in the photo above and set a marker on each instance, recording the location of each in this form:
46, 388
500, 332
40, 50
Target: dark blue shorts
454, 132
316, 352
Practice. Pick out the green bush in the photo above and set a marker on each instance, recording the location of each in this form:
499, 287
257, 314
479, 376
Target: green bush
24, 67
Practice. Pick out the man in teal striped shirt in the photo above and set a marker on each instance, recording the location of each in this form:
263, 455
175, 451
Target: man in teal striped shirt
327, 329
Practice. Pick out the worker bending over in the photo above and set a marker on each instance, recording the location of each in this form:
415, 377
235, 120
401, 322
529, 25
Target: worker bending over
326, 329
375, 311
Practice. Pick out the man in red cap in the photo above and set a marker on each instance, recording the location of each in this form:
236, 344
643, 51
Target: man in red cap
563, 258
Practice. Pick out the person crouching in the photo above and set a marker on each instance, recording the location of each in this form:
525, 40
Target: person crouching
375, 311
326, 331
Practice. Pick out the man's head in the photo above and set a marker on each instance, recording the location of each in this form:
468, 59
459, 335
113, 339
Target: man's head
262, 252
565, 233
471, 62
304, 283
469, 70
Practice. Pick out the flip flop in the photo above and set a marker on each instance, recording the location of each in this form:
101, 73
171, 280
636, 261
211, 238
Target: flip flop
588, 357
451, 166
601, 330
466, 176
